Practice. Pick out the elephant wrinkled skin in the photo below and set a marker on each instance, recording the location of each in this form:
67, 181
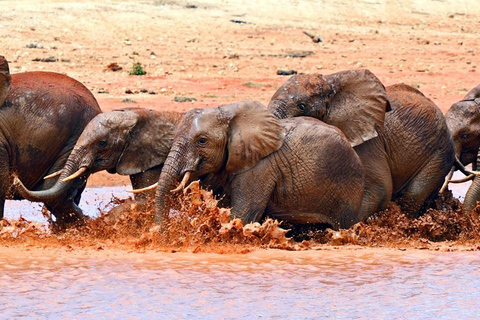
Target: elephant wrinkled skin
131, 142
399, 134
42, 114
298, 170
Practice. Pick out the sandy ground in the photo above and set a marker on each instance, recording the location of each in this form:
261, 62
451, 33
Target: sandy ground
193, 49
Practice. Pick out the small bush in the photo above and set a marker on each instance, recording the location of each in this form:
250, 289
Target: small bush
137, 70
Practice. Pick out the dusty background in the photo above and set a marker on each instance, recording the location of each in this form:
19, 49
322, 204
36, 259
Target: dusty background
193, 49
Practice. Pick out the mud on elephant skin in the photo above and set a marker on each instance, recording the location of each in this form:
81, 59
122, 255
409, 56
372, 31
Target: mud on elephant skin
298, 170
42, 114
463, 120
131, 141
399, 134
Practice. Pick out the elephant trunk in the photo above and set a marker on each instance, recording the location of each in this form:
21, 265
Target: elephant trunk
167, 182
278, 108
473, 193
472, 196
71, 167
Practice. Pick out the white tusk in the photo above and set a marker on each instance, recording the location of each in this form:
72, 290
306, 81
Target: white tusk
447, 180
75, 175
53, 175
153, 186
182, 184
464, 179
461, 167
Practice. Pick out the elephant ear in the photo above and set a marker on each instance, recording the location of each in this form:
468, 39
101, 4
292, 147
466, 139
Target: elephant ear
358, 104
474, 95
4, 79
254, 134
148, 142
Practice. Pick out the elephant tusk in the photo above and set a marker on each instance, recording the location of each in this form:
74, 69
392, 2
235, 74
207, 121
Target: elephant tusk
461, 167
182, 184
76, 174
464, 179
447, 180
17, 183
53, 175
153, 186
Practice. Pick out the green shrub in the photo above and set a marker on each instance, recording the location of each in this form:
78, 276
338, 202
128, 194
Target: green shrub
137, 70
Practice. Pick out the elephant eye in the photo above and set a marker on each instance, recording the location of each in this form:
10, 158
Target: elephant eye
102, 143
202, 141
301, 106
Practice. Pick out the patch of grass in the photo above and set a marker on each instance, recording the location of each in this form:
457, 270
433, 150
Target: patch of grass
137, 70
254, 85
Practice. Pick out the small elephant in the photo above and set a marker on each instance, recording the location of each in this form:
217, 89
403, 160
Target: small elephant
463, 120
42, 115
298, 170
131, 142
399, 134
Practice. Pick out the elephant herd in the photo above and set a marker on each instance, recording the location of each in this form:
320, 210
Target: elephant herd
328, 148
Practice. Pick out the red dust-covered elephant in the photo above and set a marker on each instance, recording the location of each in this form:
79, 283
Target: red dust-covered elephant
42, 114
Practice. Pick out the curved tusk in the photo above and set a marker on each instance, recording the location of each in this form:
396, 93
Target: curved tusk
447, 180
464, 179
76, 174
53, 175
153, 186
461, 167
182, 184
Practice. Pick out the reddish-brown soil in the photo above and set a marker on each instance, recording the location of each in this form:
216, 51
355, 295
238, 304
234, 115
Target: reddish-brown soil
193, 49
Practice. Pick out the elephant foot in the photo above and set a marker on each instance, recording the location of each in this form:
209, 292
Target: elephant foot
70, 216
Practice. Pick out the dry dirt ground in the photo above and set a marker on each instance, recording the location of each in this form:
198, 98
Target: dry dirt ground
218, 51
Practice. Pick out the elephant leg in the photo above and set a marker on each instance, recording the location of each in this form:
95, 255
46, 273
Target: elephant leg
142, 180
5, 179
249, 199
79, 192
65, 212
2, 207
425, 184
378, 177
377, 194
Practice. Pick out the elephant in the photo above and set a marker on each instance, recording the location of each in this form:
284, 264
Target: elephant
42, 114
301, 170
463, 120
132, 141
400, 135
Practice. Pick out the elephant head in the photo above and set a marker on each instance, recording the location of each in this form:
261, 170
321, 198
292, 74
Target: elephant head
227, 139
463, 120
126, 141
4, 79
354, 101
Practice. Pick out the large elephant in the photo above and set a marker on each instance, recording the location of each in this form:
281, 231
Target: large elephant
298, 170
42, 114
463, 120
132, 142
400, 135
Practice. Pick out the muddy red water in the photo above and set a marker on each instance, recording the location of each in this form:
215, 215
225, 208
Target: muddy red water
345, 284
